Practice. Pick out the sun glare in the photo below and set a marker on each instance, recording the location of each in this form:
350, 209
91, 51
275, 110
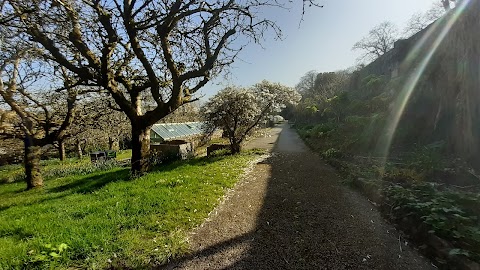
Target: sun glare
425, 49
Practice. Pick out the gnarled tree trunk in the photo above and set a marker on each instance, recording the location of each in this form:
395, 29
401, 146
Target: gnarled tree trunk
32, 164
235, 148
140, 149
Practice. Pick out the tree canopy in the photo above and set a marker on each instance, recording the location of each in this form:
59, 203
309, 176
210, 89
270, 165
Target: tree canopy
379, 41
139, 51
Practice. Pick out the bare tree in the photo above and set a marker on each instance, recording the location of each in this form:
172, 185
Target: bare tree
379, 41
10, 148
307, 82
420, 21
115, 125
321, 86
328, 84
96, 125
39, 122
166, 50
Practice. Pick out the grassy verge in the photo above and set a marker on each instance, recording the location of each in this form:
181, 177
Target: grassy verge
103, 219
426, 195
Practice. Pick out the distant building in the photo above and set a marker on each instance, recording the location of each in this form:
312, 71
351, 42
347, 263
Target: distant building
161, 133
175, 140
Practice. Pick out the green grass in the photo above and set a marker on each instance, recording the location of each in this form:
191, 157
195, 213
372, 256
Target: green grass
123, 154
107, 220
54, 168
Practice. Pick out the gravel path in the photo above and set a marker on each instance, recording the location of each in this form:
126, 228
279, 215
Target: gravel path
292, 212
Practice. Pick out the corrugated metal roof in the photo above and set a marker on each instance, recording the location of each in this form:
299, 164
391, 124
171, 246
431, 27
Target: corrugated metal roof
171, 131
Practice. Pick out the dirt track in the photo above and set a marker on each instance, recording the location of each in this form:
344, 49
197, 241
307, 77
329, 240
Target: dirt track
292, 212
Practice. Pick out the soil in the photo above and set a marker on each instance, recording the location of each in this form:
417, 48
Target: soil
291, 211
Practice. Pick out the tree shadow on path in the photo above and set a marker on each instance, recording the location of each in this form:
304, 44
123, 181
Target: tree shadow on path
306, 220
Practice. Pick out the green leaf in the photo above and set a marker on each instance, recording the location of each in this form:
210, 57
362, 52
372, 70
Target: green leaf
40, 258
54, 255
62, 247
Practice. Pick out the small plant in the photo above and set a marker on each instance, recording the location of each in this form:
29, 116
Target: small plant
440, 211
48, 254
331, 153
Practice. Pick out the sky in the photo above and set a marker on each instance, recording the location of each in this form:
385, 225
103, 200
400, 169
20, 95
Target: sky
322, 41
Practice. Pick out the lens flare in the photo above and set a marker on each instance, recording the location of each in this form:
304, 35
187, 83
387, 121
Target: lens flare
424, 49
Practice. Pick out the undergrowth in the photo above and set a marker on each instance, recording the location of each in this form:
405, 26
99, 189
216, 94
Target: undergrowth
408, 187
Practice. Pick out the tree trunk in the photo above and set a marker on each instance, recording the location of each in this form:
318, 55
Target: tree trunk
79, 149
113, 144
235, 148
32, 164
140, 150
61, 150
110, 143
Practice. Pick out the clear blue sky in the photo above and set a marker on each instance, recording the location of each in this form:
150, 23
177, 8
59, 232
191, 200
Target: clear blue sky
322, 42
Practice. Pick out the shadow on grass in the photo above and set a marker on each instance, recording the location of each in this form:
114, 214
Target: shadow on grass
18, 234
84, 185
201, 161
34, 202
92, 183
